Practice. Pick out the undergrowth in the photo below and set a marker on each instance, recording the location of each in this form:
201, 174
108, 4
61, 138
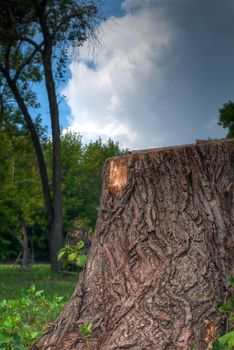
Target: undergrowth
24, 319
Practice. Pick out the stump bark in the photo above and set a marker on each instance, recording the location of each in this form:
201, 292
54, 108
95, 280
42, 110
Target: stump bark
161, 254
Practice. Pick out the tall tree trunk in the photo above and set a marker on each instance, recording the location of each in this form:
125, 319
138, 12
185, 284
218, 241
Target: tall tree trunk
56, 232
26, 250
22, 238
53, 212
161, 254
37, 147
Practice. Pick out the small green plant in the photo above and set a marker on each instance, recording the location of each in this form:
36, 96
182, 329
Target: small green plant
218, 346
86, 330
22, 319
72, 254
227, 340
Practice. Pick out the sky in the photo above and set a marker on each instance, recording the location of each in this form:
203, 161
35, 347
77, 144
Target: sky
159, 77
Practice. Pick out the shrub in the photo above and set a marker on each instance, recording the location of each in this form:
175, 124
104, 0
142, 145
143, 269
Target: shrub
24, 319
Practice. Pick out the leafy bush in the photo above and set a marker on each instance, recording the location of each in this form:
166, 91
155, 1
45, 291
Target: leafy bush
72, 254
227, 340
24, 319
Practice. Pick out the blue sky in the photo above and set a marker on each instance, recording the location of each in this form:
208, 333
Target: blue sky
163, 70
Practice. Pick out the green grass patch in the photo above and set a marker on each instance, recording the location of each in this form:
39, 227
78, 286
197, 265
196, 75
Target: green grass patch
29, 301
12, 280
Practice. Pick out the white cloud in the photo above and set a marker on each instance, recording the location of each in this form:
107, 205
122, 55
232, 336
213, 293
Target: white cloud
115, 97
159, 77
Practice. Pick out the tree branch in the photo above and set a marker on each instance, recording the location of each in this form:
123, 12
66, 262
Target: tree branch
7, 56
33, 43
14, 234
35, 139
24, 64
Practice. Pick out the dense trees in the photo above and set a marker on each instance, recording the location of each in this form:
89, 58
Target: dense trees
35, 37
21, 200
94, 156
82, 166
226, 117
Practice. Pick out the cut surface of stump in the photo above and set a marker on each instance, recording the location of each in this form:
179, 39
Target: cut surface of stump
161, 255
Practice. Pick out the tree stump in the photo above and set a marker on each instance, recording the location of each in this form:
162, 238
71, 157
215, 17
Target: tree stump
161, 254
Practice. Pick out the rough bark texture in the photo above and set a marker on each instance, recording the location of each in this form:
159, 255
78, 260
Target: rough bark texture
161, 254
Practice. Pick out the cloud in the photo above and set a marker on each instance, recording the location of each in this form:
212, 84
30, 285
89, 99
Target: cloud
112, 98
129, 5
162, 73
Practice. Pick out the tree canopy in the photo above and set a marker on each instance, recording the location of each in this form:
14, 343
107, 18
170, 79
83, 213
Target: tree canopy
21, 199
226, 117
35, 38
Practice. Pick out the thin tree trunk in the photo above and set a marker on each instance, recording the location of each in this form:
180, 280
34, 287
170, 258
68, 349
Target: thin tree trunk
24, 255
32, 248
53, 212
37, 147
161, 254
56, 233
25, 265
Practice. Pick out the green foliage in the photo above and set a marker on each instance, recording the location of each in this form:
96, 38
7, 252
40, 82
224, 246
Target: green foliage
23, 40
22, 319
13, 280
72, 254
227, 340
21, 193
35, 40
86, 329
218, 346
94, 157
21, 199
82, 167
226, 117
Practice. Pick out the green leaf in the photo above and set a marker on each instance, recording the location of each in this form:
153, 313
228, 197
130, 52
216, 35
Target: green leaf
227, 339
61, 254
18, 346
5, 338
224, 308
80, 245
81, 260
8, 324
87, 328
231, 281
72, 257
34, 335
26, 327
39, 292
32, 289
17, 338
231, 303
3, 303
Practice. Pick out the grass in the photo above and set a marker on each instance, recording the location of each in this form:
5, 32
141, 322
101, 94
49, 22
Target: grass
29, 301
13, 280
